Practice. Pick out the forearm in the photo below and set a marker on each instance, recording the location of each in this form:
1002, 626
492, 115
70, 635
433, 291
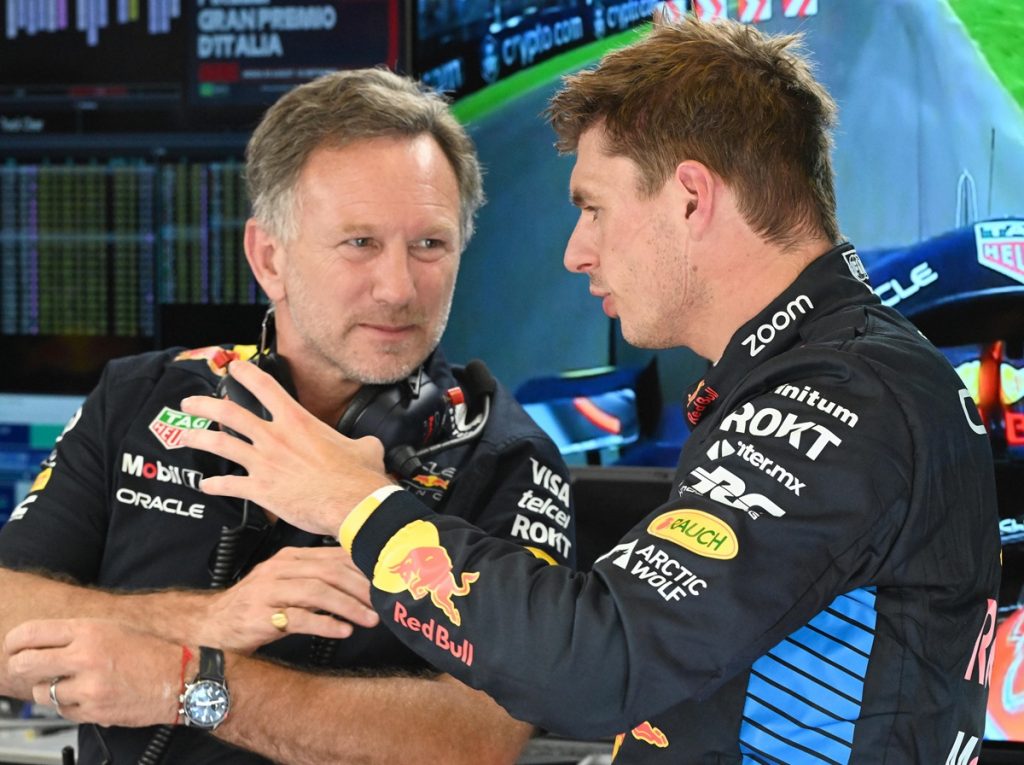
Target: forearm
173, 615
365, 719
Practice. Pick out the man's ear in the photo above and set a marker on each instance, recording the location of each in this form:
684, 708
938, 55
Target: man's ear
699, 187
265, 254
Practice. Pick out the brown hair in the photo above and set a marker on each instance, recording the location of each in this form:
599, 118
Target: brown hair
337, 109
742, 103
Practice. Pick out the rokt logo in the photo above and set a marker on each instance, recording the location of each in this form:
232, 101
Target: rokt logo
772, 422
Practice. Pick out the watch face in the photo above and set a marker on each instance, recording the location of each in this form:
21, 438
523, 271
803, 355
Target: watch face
206, 703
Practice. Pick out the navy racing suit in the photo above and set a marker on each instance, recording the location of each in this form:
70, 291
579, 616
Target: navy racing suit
118, 506
819, 588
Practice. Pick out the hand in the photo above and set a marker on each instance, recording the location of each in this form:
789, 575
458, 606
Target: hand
298, 467
109, 673
298, 581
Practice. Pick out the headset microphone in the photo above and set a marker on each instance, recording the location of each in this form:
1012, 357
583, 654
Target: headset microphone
478, 382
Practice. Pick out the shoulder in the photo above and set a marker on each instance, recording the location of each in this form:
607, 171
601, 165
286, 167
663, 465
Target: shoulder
875, 377
128, 382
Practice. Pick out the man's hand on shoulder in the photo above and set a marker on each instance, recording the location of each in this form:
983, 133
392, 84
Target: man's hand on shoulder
297, 467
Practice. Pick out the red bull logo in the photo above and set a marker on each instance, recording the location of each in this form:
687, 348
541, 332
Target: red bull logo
414, 561
428, 570
643, 732
431, 481
650, 735
698, 401
436, 634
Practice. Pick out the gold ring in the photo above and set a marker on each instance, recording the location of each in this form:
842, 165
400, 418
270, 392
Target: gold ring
53, 693
280, 620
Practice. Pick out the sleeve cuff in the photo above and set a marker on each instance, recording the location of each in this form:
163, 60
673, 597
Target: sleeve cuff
384, 520
360, 514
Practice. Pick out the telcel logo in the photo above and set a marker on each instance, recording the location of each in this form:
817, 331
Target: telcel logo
696, 531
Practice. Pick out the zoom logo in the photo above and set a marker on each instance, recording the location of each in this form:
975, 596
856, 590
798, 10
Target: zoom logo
780, 320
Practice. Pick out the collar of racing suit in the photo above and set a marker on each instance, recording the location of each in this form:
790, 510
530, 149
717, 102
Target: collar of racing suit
830, 282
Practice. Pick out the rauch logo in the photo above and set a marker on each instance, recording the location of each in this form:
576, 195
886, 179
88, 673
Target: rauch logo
696, 531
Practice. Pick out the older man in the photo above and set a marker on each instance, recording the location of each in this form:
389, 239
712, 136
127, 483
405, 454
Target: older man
364, 189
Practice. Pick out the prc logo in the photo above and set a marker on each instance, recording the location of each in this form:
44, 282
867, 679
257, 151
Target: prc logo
696, 531
414, 560
170, 424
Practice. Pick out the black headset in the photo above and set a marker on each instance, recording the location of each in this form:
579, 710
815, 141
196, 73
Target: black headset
413, 417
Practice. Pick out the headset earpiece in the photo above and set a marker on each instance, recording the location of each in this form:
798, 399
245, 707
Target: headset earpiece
358, 407
229, 388
413, 412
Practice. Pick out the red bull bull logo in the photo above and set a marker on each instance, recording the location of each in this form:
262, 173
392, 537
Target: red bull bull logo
643, 732
650, 735
431, 481
414, 561
428, 570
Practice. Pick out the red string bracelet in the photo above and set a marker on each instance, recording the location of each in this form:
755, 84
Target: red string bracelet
186, 656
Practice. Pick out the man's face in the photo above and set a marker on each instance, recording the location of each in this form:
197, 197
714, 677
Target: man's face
367, 283
636, 250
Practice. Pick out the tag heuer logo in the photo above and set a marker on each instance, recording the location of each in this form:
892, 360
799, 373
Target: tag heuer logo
1001, 247
170, 424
